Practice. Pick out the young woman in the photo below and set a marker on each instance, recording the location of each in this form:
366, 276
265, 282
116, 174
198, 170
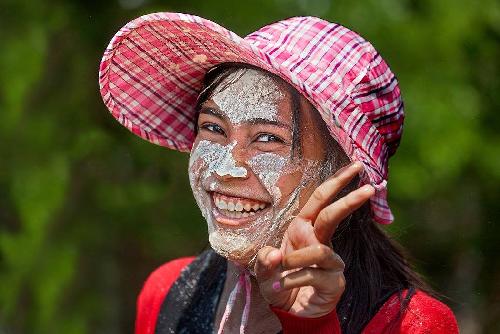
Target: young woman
290, 131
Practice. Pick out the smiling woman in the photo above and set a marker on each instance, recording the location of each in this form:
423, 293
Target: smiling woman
242, 161
290, 131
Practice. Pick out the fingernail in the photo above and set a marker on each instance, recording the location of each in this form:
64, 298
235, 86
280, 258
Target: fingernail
277, 286
356, 165
368, 188
274, 253
303, 220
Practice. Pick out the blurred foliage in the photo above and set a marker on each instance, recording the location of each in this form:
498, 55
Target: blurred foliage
87, 210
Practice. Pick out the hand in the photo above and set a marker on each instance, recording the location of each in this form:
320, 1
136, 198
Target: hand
305, 276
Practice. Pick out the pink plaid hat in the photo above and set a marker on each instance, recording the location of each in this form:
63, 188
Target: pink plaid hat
153, 69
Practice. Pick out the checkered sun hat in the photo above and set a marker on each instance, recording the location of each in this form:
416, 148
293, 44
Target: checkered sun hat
153, 69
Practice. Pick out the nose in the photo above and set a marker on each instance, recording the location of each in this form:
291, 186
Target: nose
232, 163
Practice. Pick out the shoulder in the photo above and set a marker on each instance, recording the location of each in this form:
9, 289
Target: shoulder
165, 275
423, 314
154, 291
426, 314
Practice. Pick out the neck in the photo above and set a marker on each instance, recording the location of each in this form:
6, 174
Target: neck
260, 319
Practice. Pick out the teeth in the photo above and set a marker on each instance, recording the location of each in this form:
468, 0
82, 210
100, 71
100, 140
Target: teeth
237, 214
235, 210
233, 214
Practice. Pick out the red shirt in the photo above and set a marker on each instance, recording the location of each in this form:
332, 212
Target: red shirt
424, 314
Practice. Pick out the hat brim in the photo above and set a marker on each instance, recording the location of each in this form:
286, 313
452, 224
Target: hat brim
152, 73
153, 69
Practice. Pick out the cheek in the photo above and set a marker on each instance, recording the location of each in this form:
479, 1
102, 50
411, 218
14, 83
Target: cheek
202, 154
288, 183
194, 173
269, 168
196, 166
305, 178
305, 194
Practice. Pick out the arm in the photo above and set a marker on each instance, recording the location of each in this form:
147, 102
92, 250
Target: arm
423, 315
428, 315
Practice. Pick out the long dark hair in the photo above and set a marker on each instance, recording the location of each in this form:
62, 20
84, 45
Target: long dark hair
376, 266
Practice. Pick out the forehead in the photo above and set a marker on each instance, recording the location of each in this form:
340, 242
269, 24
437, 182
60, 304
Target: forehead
249, 94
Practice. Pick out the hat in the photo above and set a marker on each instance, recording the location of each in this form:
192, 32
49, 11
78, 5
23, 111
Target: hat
153, 69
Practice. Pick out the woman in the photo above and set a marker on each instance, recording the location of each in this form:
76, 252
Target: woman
290, 130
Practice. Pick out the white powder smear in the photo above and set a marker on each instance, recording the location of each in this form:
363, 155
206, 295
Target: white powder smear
242, 244
268, 167
233, 99
219, 159
206, 159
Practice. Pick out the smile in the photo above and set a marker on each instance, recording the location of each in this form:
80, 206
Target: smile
236, 210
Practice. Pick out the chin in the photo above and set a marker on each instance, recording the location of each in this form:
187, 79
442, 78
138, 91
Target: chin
234, 247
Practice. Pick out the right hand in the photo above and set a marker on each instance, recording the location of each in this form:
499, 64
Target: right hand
305, 276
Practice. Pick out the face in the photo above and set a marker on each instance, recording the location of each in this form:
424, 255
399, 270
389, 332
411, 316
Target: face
245, 175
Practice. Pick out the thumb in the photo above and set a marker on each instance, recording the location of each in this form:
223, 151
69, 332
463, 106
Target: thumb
268, 263
268, 271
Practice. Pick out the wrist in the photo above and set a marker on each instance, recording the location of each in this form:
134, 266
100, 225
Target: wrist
310, 312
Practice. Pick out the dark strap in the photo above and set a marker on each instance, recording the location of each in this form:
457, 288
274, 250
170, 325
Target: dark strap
191, 302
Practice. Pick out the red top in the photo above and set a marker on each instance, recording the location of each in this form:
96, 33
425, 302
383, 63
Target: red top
424, 314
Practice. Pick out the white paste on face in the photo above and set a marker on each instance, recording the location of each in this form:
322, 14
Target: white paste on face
212, 186
246, 95
268, 167
219, 159
241, 244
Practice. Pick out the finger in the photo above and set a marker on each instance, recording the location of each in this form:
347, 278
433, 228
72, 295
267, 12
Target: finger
267, 263
320, 255
299, 234
326, 192
323, 280
328, 219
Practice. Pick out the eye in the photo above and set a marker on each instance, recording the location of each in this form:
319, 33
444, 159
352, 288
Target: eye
212, 127
266, 137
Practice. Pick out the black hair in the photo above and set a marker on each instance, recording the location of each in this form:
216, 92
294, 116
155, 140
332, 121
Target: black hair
376, 266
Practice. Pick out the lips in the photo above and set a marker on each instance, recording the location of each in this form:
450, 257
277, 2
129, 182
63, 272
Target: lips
236, 211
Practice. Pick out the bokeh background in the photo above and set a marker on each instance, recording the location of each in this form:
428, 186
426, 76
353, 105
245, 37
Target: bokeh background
87, 210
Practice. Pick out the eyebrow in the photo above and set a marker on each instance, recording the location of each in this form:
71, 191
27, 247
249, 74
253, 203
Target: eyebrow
217, 113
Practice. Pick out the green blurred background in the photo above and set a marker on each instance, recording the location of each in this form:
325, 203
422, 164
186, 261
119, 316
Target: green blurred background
87, 210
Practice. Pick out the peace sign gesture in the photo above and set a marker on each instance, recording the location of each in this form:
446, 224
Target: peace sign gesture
305, 276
